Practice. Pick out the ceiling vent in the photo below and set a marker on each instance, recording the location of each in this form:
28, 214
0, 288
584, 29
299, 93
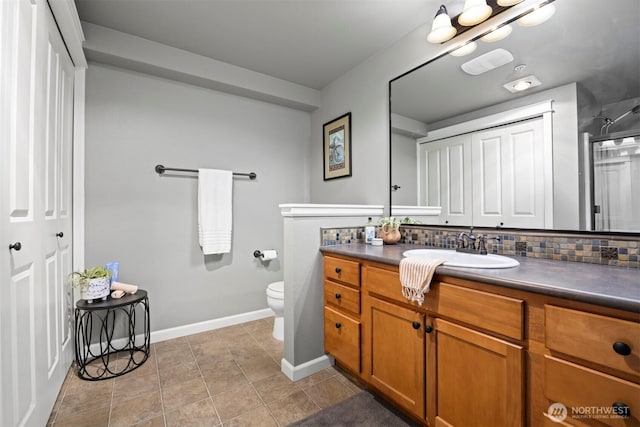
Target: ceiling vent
487, 62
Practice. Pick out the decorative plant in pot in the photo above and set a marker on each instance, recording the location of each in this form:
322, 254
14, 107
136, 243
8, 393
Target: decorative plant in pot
94, 283
389, 230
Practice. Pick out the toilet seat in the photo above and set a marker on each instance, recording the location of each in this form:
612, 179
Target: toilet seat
276, 290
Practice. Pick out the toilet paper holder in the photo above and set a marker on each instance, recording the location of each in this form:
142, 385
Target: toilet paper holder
259, 254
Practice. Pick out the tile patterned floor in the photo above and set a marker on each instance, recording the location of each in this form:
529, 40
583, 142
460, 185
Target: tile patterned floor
225, 377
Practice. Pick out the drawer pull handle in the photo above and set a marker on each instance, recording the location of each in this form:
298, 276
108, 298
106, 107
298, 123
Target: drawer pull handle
338, 270
621, 348
428, 329
338, 296
338, 325
416, 325
621, 409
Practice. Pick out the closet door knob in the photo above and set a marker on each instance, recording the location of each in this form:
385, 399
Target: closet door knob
338, 270
428, 329
15, 246
621, 348
416, 325
60, 234
338, 296
621, 409
338, 325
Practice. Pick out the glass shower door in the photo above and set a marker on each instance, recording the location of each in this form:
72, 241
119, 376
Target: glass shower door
616, 182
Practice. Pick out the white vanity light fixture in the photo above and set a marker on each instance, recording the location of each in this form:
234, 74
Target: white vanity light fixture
521, 84
537, 16
474, 12
465, 49
441, 29
497, 34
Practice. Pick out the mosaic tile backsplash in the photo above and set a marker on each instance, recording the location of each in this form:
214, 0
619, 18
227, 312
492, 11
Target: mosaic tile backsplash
622, 252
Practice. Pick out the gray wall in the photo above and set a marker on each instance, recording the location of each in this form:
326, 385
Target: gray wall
149, 222
405, 169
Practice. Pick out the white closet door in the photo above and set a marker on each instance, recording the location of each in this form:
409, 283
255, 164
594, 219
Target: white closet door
445, 178
508, 176
33, 321
57, 121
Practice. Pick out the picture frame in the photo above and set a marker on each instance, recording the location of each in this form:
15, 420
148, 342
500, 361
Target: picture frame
336, 147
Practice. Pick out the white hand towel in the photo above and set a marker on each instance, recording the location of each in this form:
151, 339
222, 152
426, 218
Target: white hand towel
415, 275
215, 210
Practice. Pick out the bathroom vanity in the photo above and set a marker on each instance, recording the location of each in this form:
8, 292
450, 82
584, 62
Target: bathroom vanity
492, 347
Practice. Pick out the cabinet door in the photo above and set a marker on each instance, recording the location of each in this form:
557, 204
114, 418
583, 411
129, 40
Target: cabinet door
508, 176
478, 378
445, 178
396, 353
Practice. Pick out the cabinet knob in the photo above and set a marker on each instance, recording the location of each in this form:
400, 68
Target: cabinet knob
15, 246
621, 409
338, 325
338, 270
428, 329
60, 234
338, 296
621, 348
416, 325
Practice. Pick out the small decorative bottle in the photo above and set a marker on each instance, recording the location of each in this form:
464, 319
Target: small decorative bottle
369, 232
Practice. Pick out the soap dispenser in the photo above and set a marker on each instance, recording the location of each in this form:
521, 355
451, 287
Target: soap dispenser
369, 232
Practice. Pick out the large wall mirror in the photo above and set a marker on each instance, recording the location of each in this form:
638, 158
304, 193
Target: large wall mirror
562, 154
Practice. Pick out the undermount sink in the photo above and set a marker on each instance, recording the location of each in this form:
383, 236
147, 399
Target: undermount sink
462, 259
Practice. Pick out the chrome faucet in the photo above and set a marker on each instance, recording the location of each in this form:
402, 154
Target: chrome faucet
466, 242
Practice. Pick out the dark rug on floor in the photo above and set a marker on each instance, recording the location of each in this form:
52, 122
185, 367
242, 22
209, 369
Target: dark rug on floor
363, 409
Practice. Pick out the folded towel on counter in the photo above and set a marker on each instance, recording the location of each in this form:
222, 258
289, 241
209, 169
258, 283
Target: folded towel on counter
214, 210
415, 275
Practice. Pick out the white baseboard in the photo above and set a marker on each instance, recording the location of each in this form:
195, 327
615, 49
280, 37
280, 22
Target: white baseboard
194, 328
209, 325
303, 370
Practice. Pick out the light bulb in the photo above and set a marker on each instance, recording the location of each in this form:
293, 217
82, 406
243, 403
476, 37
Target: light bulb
537, 16
475, 11
497, 34
507, 3
465, 50
441, 30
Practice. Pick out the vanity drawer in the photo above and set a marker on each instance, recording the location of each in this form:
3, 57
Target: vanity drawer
385, 283
342, 296
592, 337
342, 338
492, 312
586, 389
342, 270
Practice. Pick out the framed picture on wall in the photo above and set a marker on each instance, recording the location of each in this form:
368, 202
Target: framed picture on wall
336, 147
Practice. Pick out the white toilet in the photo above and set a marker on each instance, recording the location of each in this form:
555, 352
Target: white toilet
275, 299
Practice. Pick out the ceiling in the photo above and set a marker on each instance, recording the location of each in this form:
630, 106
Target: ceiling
308, 42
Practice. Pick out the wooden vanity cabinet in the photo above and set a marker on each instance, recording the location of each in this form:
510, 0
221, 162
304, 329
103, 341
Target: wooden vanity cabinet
342, 326
593, 365
395, 353
481, 355
478, 378
429, 358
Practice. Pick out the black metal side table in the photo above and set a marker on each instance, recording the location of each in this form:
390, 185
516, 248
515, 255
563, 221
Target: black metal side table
99, 355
